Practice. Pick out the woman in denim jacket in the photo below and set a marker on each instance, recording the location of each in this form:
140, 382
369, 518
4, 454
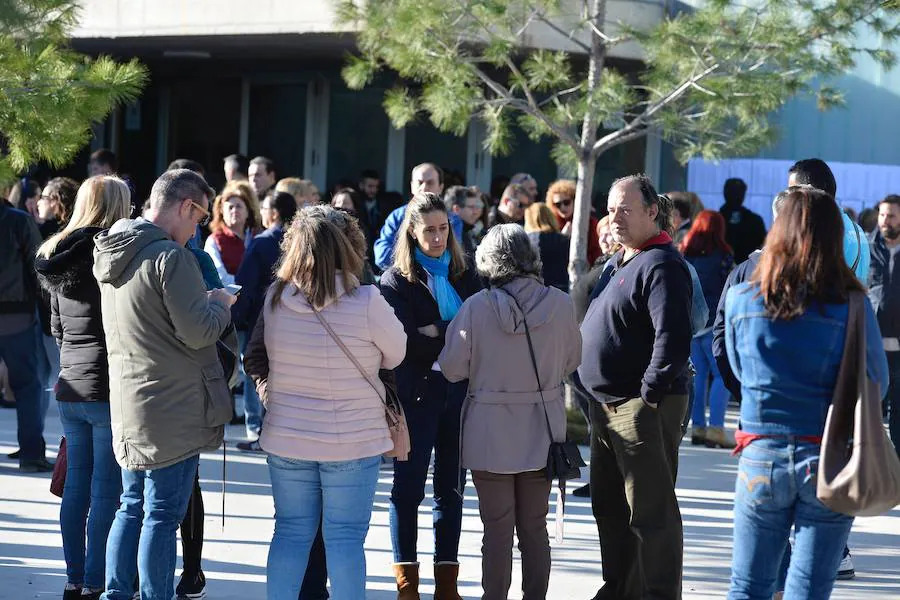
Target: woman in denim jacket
785, 332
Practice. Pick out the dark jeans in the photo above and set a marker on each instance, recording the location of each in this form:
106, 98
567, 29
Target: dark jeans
634, 464
892, 400
20, 353
314, 585
92, 490
433, 420
192, 530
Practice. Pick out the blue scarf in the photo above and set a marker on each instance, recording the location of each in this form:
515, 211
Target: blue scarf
439, 268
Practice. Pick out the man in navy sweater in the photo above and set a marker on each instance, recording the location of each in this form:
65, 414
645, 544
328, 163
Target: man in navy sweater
636, 344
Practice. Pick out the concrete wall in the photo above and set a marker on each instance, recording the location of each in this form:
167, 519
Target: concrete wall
145, 18
866, 131
156, 18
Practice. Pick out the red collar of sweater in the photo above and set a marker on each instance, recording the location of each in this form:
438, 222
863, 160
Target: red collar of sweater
231, 248
657, 240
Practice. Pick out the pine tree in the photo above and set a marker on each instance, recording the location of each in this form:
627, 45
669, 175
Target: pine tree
711, 77
49, 94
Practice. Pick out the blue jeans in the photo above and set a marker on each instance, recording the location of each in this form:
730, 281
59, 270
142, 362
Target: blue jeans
434, 421
253, 408
775, 489
341, 495
91, 494
143, 532
705, 365
21, 353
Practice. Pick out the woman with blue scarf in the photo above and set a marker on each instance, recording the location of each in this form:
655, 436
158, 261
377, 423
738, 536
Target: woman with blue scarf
426, 286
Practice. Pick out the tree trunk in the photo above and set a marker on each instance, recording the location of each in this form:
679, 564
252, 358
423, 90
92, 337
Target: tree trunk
578, 264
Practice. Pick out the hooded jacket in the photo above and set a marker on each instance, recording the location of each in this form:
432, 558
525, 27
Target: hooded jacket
504, 428
75, 319
168, 396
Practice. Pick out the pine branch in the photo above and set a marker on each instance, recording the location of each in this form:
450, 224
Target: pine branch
642, 120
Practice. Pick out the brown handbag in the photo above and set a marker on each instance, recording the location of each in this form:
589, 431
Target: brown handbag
859, 471
393, 410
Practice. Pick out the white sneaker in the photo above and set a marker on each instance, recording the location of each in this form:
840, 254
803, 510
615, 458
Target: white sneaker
846, 570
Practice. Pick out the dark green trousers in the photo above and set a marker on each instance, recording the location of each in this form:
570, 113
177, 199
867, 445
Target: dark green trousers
634, 464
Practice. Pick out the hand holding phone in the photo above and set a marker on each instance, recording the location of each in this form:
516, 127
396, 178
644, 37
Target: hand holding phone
233, 289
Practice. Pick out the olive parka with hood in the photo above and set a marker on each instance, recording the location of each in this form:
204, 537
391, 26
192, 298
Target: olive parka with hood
169, 399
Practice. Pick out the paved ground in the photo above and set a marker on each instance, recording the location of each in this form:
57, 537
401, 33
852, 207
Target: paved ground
32, 565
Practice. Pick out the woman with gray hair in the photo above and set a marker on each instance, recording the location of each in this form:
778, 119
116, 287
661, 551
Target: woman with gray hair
513, 404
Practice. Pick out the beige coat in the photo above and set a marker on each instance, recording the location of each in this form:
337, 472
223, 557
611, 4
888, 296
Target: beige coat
318, 405
504, 429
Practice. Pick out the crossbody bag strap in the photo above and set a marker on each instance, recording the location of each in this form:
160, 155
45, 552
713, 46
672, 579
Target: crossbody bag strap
533, 362
346, 351
858, 249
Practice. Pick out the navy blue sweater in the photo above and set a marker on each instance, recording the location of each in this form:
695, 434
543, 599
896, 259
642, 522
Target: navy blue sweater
739, 275
636, 336
255, 274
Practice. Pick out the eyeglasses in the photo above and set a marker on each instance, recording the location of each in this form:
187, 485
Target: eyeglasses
567, 203
206, 216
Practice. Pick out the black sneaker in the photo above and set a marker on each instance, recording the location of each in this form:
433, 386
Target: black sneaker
249, 446
38, 465
72, 593
191, 586
582, 492
14, 455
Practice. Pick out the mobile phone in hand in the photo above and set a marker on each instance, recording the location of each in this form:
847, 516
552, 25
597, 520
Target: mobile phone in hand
233, 289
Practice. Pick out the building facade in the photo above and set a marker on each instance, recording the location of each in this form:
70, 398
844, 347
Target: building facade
264, 78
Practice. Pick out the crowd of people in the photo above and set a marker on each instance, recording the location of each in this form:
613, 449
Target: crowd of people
144, 318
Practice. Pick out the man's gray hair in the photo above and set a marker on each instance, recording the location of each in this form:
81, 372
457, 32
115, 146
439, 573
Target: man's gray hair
650, 197
173, 187
782, 196
778, 202
521, 178
506, 252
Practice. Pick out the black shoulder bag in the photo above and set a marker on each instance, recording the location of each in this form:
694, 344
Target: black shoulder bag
564, 460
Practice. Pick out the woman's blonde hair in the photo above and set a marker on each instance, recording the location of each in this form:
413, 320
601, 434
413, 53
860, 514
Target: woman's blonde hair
101, 201
405, 247
540, 218
314, 250
296, 187
245, 192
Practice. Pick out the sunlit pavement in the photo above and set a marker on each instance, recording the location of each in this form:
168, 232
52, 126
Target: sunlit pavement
234, 556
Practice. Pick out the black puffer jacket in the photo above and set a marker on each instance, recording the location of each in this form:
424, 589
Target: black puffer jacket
75, 319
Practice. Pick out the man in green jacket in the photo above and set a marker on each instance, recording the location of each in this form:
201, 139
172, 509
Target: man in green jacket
169, 399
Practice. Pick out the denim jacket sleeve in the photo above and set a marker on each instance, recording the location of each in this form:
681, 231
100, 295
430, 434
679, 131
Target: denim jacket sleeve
876, 360
699, 309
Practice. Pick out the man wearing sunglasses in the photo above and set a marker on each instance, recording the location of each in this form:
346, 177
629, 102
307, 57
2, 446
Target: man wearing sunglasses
169, 397
512, 206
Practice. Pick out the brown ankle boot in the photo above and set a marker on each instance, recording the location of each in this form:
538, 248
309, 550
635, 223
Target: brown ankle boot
407, 575
718, 437
445, 575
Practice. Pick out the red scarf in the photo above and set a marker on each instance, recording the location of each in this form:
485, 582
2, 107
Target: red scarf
231, 248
